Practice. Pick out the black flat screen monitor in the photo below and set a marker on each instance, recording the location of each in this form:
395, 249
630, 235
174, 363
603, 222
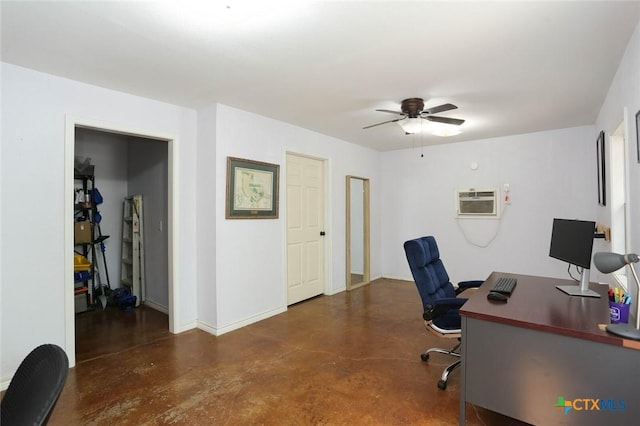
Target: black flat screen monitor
572, 242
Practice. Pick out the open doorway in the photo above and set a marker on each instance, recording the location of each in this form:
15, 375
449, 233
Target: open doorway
130, 161
123, 165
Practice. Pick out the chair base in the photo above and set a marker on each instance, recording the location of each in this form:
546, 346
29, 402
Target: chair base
442, 383
453, 351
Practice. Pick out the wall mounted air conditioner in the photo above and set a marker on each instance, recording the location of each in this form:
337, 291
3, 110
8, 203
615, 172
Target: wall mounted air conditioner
478, 203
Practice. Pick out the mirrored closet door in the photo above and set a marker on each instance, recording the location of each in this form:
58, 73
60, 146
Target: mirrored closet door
357, 224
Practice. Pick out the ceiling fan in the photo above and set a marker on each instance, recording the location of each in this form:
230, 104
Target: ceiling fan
413, 108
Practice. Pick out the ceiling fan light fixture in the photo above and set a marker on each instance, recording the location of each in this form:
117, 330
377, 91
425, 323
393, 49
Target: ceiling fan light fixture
411, 125
443, 130
415, 119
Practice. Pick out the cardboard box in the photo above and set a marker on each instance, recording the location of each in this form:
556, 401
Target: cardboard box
82, 232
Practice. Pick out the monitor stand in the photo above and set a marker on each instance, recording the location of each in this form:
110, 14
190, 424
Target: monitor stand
581, 290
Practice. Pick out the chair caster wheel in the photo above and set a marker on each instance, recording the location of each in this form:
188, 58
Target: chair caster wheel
424, 357
442, 384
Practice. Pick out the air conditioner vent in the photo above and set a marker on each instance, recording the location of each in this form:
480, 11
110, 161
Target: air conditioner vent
477, 203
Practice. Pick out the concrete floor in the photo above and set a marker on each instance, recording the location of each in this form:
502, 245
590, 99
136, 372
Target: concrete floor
348, 359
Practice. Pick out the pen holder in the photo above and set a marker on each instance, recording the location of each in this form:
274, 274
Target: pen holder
619, 312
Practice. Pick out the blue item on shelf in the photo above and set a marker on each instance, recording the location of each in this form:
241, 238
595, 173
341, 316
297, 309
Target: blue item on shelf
81, 275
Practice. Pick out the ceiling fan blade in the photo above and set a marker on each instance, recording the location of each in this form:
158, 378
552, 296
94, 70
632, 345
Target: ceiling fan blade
439, 108
446, 120
392, 112
384, 122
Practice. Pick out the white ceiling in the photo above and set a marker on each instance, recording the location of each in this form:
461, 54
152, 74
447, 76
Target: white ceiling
510, 67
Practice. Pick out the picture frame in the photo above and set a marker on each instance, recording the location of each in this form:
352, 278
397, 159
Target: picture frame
602, 187
638, 135
252, 189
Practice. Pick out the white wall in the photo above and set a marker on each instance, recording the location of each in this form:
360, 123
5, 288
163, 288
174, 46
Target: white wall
621, 105
206, 219
250, 254
34, 107
232, 272
148, 176
551, 174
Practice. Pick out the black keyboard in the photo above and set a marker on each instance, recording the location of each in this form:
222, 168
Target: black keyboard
504, 285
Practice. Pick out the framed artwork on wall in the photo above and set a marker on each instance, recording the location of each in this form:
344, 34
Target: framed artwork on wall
252, 189
602, 187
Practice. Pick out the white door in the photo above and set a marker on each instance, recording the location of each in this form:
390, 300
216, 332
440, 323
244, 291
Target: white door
305, 228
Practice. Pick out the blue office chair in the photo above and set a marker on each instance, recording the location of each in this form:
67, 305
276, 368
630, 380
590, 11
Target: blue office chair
439, 297
35, 387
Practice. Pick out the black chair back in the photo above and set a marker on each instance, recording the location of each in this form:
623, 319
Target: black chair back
35, 387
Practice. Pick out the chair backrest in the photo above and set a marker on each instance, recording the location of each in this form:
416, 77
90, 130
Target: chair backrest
428, 270
35, 387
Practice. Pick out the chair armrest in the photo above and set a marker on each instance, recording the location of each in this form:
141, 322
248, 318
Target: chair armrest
464, 285
442, 305
469, 284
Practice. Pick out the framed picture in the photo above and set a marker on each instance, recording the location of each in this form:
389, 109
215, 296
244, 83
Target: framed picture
602, 187
638, 135
252, 189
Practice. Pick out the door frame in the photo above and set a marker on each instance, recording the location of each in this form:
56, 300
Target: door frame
71, 122
328, 239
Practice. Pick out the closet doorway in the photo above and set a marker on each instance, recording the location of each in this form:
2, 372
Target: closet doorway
125, 162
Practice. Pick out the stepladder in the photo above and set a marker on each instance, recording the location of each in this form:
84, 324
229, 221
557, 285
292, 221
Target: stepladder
132, 268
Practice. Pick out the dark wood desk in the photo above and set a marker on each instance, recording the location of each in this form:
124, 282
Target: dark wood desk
520, 357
